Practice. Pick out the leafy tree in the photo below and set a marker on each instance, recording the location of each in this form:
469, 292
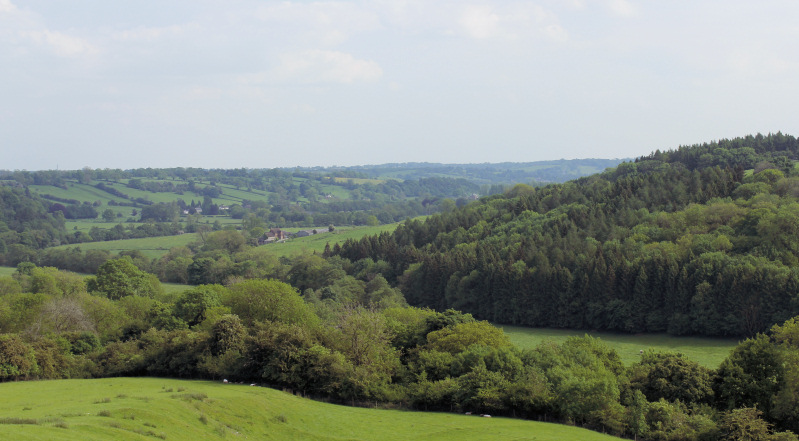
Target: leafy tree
118, 278
17, 358
269, 300
192, 304
673, 377
108, 215
750, 376
459, 337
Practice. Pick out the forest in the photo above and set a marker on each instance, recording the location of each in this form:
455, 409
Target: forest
700, 240
697, 241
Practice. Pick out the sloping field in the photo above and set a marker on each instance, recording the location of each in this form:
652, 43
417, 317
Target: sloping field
709, 352
317, 242
149, 246
175, 410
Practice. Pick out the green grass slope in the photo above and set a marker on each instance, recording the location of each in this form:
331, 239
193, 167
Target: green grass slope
317, 242
149, 246
709, 352
154, 408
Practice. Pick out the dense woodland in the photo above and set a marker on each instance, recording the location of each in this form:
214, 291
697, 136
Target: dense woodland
699, 240
684, 242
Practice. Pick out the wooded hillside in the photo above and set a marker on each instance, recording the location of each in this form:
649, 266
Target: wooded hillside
698, 240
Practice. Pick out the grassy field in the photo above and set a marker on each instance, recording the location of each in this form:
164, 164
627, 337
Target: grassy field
317, 242
175, 410
6, 271
149, 246
709, 352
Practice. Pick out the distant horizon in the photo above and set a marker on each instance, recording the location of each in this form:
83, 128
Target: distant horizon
337, 166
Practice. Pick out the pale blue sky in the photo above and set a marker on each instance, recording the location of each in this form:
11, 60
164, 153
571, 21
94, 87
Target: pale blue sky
243, 83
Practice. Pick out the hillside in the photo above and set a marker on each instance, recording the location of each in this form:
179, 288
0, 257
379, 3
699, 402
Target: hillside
684, 242
175, 410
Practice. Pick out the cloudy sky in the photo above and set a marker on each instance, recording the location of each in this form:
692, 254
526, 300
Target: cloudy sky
244, 83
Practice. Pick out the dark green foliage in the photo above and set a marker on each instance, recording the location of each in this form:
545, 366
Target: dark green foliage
751, 375
672, 377
656, 245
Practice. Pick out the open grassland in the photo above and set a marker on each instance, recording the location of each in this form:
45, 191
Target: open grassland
175, 410
149, 246
709, 352
6, 271
316, 242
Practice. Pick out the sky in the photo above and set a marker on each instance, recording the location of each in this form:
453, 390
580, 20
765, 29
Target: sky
262, 84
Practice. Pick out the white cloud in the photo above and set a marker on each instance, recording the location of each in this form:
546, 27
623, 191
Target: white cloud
317, 66
7, 7
62, 44
480, 21
623, 8
326, 23
150, 34
515, 21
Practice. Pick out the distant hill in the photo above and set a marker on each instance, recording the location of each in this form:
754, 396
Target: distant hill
697, 240
486, 173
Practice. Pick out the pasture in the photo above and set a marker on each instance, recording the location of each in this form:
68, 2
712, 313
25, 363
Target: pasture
309, 244
176, 410
151, 247
7, 270
709, 352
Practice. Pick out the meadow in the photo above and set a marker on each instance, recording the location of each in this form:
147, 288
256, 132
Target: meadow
709, 352
317, 242
151, 247
175, 410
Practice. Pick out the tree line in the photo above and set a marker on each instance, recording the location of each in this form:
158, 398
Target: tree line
340, 332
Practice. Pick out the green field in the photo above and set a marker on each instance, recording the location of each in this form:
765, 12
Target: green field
149, 246
175, 410
709, 352
6, 271
317, 242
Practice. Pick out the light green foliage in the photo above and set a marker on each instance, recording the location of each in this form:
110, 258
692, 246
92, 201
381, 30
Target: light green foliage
228, 240
118, 278
17, 358
459, 337
192, 304
581, 372
365, 340
269, 300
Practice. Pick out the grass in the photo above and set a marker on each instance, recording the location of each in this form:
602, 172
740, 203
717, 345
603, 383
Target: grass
709, 352
7, 270
317, 242
145, 408
149, 246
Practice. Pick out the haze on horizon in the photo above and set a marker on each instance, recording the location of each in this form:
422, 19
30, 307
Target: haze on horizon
263, 84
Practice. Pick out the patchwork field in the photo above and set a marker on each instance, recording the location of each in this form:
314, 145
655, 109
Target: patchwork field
175, 410
709, 352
